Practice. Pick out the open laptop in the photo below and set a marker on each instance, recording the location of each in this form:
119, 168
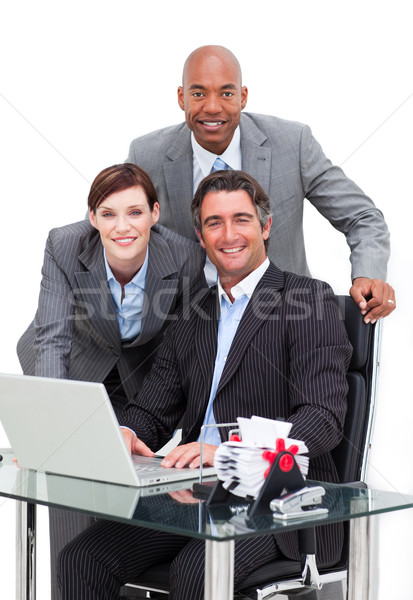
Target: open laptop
70, 428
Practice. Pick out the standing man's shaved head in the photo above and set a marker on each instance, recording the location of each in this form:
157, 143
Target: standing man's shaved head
212, 96
220, 53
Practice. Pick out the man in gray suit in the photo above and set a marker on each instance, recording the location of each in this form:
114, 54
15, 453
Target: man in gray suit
263, 342
282, 156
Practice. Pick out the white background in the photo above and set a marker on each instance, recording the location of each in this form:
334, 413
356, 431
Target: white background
79, 80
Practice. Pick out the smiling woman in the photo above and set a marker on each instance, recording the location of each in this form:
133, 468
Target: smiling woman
124, 218
108, 290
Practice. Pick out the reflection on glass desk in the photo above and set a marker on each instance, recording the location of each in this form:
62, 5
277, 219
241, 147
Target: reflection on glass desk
157, 507
171, 507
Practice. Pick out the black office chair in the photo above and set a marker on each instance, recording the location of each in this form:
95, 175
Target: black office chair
350, 456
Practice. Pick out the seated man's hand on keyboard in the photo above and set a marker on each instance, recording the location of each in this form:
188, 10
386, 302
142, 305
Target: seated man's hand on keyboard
188, 455
134, 444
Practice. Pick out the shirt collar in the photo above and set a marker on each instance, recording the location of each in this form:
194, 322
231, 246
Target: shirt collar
232, 155
246, 286
138, 279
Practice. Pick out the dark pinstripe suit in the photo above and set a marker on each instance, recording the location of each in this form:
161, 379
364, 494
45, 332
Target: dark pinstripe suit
75, 333
288, 359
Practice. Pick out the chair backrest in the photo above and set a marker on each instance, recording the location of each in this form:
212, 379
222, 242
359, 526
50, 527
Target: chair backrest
351, 454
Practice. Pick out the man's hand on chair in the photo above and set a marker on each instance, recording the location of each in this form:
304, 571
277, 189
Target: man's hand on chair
375, 298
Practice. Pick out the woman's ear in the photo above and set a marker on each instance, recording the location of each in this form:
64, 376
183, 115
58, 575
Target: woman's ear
92, 218
155, 213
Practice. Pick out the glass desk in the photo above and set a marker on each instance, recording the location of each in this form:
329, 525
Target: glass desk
158, 508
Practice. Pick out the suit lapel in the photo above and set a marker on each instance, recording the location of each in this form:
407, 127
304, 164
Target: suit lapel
264, 301
178, 170
206, 336
256, 158
96, 295
160, 291
178, 173
161, 287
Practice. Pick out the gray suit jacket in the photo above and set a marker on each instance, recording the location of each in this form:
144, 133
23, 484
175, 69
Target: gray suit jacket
288, 359
290, 165
75, 333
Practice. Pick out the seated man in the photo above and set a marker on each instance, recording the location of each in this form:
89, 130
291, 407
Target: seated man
276, 348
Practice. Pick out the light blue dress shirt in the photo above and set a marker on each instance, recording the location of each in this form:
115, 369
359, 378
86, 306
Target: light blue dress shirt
128, 311
230, 317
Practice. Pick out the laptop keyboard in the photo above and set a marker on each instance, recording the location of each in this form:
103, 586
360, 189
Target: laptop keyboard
146, 468
146, 464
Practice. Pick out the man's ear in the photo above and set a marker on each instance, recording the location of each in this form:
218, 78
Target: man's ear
244, 96
266, 229
199, 234
181, 97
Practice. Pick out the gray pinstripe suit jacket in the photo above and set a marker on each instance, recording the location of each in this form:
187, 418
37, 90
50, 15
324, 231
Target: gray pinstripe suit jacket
288, 359
75, 333
290, 165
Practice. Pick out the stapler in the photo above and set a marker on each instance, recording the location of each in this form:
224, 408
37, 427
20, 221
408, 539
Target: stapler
299, 504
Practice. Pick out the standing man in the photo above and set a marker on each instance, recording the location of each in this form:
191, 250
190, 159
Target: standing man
263, 342
282, 156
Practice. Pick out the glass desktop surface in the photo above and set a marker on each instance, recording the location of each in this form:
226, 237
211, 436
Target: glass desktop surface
166, 509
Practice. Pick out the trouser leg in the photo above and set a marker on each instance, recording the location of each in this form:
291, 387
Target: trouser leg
188, 568
100, 560
64, 526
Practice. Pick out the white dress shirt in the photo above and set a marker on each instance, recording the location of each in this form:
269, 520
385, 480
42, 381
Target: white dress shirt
203, 159
202, 165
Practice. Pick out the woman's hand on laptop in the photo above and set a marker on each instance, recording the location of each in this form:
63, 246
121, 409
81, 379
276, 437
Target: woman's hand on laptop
189, 455
134, 444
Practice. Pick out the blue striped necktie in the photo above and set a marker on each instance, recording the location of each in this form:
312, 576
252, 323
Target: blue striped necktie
219, 165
